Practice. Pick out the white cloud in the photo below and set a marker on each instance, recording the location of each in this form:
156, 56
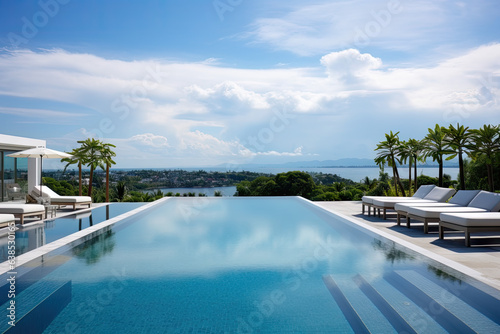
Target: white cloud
205, 112
349, 64
150, 139
41, 113
325, 25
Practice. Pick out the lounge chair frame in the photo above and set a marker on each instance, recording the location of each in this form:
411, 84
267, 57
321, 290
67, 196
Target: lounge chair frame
425, 220
73, 204
467, 229
21, 216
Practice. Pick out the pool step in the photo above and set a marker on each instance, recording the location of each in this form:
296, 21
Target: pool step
408, 302
366, 310
449, 304
37, 306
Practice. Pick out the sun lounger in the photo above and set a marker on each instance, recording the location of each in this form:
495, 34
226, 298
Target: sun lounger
437, 194
420, 193
5, 219
483, 202
56, 199
469, 223
22, 211
461, 198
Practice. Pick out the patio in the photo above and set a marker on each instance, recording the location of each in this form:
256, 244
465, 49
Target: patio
483, 257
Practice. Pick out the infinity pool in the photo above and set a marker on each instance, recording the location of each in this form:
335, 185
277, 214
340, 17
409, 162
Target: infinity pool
37, 235
245, 265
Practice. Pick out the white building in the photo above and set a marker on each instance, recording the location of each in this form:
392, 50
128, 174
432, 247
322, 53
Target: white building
24, 171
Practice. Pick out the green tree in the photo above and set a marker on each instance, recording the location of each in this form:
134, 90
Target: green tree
486, 144
411, 151
388, 153
78, 157
120, 190
107, 159
294, 183
436, 147
458, 140
91, 151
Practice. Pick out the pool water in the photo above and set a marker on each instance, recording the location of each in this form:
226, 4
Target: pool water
252, 265
34, 236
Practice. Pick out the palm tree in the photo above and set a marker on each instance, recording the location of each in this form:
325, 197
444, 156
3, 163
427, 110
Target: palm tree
91, 150
486, 142
107, 159
458, 139
388, 152
121, 191
436, 147
77, 158
410, 151
417, 148
405, 155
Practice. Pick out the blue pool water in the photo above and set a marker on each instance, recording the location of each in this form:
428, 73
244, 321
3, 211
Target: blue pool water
32, 237
245, 265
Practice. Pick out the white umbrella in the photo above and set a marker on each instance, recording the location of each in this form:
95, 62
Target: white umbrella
40, 152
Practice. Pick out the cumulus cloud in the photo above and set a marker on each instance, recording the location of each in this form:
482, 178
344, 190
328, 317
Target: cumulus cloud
231, 92
150, 139
349, 64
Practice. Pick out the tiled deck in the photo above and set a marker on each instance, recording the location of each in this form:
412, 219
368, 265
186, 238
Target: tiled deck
483, 257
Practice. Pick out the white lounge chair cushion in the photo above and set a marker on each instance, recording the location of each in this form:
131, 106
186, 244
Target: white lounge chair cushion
370, 199
440, 194
420, 193
14, 208
434, 212
437, 194
486, 200
472, 219
71, 199
461, 198
405, 206
390, 203
56, 198
5, 218
464, 197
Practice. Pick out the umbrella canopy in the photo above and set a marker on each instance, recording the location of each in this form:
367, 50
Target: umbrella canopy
40, 152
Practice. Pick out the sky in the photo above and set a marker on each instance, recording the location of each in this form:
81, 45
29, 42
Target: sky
198, 83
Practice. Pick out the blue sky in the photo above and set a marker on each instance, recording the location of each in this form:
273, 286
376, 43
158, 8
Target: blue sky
201, 83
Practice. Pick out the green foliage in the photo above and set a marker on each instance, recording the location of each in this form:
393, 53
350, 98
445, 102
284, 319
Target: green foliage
446, 143
302, 184
476, 174
284, 184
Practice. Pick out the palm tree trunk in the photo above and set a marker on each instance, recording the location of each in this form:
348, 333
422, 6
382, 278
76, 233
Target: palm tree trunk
89, 193
461, 170
440, 171
409, 176
80, 179
107, 183
394, 173
415, 174
399, 182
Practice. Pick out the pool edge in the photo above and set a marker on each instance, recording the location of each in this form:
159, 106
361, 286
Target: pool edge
77, 237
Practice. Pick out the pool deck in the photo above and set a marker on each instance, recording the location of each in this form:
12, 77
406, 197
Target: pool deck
483, 257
